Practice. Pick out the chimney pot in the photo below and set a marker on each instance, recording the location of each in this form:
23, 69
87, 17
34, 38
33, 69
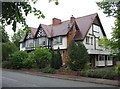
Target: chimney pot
72, 19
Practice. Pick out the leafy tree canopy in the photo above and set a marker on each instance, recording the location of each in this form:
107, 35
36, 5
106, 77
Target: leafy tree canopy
5, 37
15, 12
112, 9
18, 36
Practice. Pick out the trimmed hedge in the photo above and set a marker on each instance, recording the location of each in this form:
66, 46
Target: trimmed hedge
96, 73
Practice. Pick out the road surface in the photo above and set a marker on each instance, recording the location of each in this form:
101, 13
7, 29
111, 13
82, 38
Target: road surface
15, 79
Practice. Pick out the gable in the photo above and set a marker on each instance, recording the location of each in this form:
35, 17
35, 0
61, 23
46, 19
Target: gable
98, 22
29, 35
85, 23
40, 33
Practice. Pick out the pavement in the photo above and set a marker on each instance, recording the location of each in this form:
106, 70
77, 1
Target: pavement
71, 77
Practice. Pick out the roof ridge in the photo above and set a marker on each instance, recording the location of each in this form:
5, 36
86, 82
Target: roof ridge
86, 15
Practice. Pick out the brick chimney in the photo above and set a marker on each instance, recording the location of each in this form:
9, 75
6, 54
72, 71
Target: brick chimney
72, 19
56, 21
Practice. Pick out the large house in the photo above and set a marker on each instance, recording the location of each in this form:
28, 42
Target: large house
87, 29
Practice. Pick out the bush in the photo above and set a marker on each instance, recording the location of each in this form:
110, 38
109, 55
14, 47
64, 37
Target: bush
41, 57
48, 70
78, 56
7, 49
117, 69
27, 63
17, 59
6, 64
97, 73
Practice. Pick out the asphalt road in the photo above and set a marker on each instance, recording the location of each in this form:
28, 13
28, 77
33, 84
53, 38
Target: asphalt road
15, 79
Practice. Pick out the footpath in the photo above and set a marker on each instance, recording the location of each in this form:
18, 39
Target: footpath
70, 77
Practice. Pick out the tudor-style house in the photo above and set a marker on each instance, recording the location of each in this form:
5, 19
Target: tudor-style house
87, 29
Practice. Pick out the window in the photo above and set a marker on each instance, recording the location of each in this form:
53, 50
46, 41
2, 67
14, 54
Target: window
109, 58
99, 41
87, 39
96, 28
30, 43
101, 57
23, 45
91, 40
57, 40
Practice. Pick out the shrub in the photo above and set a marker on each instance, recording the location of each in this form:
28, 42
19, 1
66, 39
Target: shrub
27, 63
78, 56
7, 49
117, 69
6, 64
17, 59
56, 61
48, 70
97, 73
59, 58
41, 57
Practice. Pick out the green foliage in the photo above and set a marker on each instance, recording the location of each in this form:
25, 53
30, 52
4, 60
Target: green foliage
48, 70
78, 56
97, 73
117, 69
59, 57
17, 59
113, 9
27, 63
18, 36
15, 12
5, 37
6, 64
56, 61
52, 59
7, 49
41, 56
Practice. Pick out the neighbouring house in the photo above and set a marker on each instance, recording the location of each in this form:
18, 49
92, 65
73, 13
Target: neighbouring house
87, 29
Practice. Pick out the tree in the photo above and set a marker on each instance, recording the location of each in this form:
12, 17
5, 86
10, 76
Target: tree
78, 56
113, 9
5, 37
59, 57
15, 12
7, 49
18, 36
56, 61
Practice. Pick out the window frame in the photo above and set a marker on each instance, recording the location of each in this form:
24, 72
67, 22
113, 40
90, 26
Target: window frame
87, 40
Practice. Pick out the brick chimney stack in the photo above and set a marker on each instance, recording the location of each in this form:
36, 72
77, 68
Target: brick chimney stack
72, 19
56, 21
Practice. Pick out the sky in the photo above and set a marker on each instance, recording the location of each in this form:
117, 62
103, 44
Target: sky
64, 11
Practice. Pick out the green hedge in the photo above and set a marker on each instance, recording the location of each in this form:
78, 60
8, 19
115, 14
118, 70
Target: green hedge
96, 73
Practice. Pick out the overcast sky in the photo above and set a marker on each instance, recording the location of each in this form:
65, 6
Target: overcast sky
65, 10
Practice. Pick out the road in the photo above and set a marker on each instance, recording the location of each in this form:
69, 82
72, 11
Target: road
15, 79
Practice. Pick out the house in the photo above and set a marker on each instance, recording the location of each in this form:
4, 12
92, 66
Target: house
87, 29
